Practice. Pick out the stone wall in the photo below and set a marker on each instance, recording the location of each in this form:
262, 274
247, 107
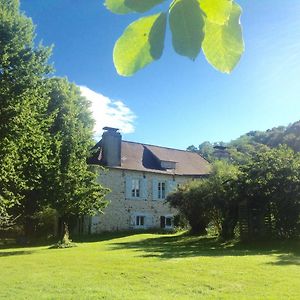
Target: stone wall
122, 210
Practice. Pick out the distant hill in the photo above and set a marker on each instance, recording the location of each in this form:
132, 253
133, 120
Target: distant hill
240, 149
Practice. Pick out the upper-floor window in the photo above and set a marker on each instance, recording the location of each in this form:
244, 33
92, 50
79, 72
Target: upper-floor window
135, 188
161, 192
161, 188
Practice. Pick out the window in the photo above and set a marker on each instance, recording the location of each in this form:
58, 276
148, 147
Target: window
135, 188
166, 222
161, 190
140, 221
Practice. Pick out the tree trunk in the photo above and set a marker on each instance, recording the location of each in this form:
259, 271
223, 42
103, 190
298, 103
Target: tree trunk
64, 231
199, 228
229, 223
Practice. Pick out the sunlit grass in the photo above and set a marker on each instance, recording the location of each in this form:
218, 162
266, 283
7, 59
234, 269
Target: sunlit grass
151, 266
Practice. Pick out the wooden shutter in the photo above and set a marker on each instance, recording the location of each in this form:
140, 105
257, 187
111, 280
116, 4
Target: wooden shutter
162, 222
154, 189
144, 188
171, 186
148, 220
128, 187
132, 220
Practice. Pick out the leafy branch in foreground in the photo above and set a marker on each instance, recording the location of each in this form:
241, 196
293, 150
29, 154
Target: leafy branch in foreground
211, 25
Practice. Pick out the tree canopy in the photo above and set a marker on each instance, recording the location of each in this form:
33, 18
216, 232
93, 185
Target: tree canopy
23, 138
46, 132
267, 186
70, 182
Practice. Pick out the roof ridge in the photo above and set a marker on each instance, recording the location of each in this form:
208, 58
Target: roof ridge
186, 151
143, 144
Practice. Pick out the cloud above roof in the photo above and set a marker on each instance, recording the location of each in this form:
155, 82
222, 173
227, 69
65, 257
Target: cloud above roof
108, 112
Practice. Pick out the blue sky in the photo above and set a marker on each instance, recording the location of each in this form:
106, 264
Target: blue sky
175, 102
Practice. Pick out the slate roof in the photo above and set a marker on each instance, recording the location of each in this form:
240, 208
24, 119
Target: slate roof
147, 158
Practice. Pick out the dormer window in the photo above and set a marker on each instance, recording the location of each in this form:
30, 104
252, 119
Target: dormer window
168, 164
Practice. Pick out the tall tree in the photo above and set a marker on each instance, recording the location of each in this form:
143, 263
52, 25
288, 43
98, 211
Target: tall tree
72, 186
210, 200
271, 185
23, 144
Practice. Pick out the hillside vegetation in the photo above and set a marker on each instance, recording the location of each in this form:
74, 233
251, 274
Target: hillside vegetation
253, 141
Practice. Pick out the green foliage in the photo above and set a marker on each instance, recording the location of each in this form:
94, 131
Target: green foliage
268, 185
23, 142
206, 149
217, 11
271, 184
45, 221
224, 198
216, 23
128, 6
210, 200
187, 26
242, 149
246, 146
276, 136
223, 43
190, 200
71, 184
147, 40
45, 132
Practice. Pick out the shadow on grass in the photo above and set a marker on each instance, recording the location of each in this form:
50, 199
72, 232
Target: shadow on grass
181, 246
105, 236
14, 253
286, 260
77, 239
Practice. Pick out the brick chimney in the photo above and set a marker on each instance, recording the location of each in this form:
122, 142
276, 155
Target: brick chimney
111, 147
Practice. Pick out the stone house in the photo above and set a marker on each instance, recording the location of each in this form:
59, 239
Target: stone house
140, 177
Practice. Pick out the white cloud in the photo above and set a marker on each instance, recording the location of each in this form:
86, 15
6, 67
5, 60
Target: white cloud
108, 112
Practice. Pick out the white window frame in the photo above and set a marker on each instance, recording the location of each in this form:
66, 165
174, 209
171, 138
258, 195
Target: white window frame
161, 190
135, 188
171, 217
140, 221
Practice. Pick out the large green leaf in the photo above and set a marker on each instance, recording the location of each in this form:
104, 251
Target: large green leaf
128, 6
187, 26
223, 44
217, 11
141, 43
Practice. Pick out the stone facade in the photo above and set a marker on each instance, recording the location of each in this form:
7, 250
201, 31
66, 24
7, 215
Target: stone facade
125, 211
140, 176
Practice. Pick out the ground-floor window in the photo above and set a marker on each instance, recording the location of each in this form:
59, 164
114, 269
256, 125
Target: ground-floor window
140, 221
166, 222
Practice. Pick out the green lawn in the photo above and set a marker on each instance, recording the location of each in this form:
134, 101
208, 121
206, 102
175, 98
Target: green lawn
151, 266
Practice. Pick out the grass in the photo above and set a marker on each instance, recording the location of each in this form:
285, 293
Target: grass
151, 266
